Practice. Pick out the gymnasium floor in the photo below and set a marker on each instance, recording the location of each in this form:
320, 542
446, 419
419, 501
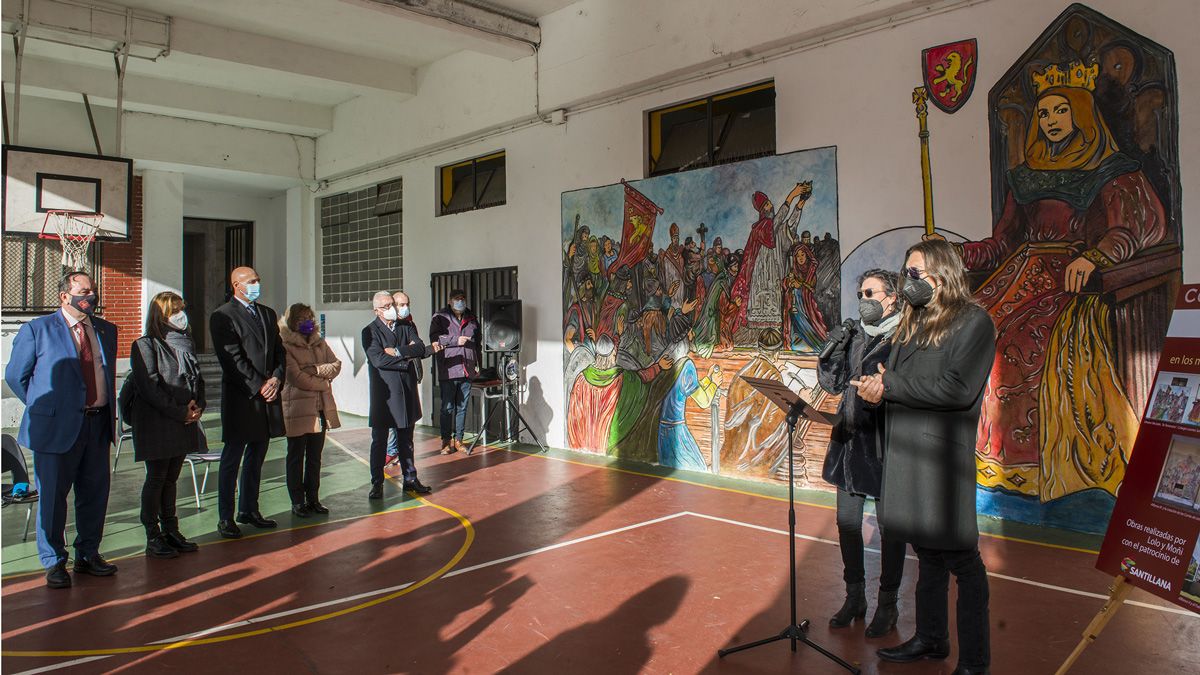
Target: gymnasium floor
530, 563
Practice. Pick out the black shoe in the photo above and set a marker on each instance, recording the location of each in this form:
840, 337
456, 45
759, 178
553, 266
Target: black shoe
176, 541
157, 547
885, 617
229, 530
256, 519
95, 565
376, 491
914, 650
854, 607
57, 577
969, 671
318, 507
301, 510
417, 487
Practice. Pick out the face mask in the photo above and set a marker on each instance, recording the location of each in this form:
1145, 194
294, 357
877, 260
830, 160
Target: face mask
178, 321
871, 311
307, 327
403, 312
85, 303
459, 305
389, 314
917, 292
252, 291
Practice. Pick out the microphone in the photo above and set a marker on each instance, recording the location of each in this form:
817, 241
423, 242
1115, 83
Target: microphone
831, 345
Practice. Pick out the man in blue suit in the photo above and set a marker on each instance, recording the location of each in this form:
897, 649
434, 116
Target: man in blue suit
62, 366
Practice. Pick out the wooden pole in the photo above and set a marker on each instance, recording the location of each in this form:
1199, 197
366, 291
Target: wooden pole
919, 98
1116, 597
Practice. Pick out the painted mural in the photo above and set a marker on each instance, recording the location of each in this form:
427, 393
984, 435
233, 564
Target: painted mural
675, 287
1084, 258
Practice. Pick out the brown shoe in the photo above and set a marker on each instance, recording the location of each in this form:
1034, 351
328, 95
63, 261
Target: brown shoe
459, 445
448, 447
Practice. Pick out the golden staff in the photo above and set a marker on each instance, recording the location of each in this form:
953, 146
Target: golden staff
919, 97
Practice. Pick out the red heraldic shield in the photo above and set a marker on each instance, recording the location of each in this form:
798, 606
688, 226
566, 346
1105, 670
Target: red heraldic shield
949, 73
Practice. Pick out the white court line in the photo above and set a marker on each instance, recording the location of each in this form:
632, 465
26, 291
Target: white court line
572, 542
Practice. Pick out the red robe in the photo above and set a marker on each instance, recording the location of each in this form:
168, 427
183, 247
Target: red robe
762, 235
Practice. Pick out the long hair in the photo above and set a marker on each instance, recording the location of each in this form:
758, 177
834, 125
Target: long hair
929, 325
162, 306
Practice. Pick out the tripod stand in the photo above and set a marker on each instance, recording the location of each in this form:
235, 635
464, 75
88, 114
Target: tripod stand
795, 631
508, 377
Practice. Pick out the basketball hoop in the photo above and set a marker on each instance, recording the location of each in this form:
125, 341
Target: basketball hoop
75, 231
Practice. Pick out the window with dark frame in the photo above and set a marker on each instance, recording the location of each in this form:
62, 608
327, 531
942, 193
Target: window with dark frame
717, 129
32, 271
472, 184
362, 242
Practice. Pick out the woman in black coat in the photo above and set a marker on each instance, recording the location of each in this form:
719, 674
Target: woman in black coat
932, 388
165, 418
854, 462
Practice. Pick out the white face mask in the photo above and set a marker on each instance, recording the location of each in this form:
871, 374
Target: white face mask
178, 320
389, 314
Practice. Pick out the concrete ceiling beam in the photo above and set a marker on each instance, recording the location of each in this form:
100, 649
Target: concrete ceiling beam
510, 37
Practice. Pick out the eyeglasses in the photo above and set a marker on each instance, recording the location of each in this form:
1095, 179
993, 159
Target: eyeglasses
870, 293
914, 273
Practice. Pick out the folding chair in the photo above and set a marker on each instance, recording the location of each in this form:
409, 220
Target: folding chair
123, 432
11, 448
204, 458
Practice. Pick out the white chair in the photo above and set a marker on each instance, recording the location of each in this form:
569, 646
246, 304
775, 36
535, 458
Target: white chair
11, 447
124, 432
204, 458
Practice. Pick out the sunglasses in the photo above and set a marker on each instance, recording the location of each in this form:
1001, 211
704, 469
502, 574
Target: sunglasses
914, 273
871, 293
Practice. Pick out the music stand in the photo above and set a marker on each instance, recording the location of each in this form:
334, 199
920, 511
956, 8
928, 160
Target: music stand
796, 407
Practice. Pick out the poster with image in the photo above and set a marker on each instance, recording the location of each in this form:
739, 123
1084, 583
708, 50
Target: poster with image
1155, 527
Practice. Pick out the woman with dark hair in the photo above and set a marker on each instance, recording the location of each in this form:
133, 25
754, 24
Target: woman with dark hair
854, 463
165, 415
933, 388
308, 406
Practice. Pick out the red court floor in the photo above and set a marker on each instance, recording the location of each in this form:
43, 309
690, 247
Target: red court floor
539, 564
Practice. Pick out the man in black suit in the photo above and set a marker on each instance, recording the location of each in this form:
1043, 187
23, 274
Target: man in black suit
394, 352
245, 335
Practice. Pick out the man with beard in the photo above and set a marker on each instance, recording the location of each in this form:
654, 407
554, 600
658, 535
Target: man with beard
670, 266
581, 315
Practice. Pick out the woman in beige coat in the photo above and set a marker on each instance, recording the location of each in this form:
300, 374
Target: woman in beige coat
308, 406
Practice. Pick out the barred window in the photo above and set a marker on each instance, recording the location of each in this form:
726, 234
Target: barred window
361, 243
717, 129
32, 270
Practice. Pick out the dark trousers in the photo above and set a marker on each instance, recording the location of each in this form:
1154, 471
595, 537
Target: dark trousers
850, 538
304, 467
404, 442
250, 457
85, 468
455, 395
158, 495
15, 464
933, 587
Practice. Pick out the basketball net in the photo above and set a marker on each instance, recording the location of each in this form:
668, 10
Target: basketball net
76, 232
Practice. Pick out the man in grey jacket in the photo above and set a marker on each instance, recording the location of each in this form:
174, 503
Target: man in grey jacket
456, 329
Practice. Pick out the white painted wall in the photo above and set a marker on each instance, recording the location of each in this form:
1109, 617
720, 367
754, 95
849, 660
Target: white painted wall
162, 233
853, 93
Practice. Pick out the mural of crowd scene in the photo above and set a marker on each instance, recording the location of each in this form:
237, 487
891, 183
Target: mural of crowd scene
1179, 486
676, 287
1176, 399
1191, 579
1080, 269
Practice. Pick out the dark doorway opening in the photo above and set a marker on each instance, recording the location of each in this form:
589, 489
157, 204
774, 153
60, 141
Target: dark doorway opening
211, 249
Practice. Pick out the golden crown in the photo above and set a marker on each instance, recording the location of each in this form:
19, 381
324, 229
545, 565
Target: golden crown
1075, 75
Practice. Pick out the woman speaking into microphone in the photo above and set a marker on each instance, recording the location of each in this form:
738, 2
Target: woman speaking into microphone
854, 462
932, 387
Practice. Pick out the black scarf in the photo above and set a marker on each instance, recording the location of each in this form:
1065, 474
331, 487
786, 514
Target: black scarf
185, 351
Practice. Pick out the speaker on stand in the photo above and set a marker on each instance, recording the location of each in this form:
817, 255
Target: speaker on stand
502, 336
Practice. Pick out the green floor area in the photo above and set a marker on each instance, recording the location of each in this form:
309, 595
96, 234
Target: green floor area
344, 483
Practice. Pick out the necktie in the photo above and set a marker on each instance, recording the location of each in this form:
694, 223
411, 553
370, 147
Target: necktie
253, 310
87, 363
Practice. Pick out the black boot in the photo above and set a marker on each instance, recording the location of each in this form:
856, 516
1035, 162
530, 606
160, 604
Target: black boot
177, 541
855, 606
157, 547
885, 617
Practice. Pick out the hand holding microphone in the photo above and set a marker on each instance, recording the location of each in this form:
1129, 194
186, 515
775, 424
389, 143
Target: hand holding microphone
838, 338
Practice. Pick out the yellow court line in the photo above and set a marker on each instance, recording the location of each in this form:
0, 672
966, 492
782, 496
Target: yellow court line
462, 551
778, 499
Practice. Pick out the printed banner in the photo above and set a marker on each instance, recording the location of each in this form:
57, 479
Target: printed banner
1152, 537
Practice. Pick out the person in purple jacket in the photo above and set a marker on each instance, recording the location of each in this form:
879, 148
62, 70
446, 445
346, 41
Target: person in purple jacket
457, 330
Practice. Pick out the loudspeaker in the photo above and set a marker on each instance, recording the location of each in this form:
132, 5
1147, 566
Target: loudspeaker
501, 325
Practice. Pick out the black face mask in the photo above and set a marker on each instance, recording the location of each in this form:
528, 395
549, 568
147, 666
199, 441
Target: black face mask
870, 311
85, 303
917, 292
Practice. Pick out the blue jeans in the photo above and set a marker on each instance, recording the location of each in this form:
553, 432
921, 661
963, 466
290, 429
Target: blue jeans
455, 395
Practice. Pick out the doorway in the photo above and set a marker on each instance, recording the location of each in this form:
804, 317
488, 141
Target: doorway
211, 249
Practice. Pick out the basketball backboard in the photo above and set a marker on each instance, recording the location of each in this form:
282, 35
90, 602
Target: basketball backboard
37, 181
